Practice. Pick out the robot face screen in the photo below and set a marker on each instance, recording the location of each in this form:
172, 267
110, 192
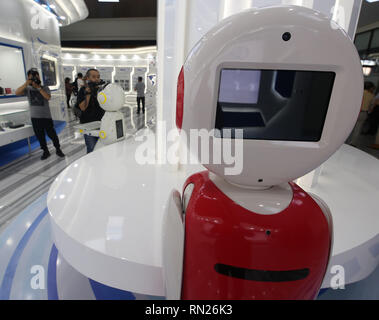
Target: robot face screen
119, 129
283, 105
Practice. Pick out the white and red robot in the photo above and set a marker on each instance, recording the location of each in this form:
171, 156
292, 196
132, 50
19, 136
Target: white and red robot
111, 98
292, 80
112, 127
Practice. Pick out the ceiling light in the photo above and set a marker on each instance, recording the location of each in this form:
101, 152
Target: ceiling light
369, 63
108, 0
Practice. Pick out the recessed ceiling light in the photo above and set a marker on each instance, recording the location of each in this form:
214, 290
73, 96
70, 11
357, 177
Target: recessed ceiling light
108, 0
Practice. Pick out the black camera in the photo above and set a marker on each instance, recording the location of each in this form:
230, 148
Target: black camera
95, 86
35, 77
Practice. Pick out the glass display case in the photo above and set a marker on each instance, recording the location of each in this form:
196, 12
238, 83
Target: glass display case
15, 122
12, 70
49, 67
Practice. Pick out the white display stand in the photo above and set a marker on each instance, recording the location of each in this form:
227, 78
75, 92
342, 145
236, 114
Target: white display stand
106, 231
13, 135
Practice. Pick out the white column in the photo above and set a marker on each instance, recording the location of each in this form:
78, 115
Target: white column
160, 78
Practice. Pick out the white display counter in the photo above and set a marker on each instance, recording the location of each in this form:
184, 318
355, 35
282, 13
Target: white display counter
17, 116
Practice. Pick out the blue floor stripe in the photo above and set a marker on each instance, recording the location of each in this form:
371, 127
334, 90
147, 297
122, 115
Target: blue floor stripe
6, 285
52, 291
103, 292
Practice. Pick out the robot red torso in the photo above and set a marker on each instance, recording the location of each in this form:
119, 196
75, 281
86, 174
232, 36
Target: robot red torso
233, 253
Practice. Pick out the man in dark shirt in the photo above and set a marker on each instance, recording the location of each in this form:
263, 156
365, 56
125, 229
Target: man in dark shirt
140, 88
42, 122
90, 107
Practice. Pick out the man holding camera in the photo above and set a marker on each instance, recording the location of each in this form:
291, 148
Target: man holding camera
42, 122
89, 105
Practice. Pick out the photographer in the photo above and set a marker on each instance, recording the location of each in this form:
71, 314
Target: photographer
42, 122
89, 106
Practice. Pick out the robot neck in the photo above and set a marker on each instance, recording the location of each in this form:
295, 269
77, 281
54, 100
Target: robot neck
254, 188
265, 201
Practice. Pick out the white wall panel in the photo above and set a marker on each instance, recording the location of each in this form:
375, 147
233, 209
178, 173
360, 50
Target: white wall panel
26, 24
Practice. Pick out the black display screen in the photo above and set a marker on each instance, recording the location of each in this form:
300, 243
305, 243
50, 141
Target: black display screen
49, 73
283, 105
119, 129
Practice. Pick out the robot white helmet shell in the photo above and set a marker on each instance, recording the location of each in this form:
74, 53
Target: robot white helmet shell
287, 76
111, 97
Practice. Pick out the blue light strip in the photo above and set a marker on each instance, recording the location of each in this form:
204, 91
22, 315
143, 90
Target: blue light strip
44, 4
52, 288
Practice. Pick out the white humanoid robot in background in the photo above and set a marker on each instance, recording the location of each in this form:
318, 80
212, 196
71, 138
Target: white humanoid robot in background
111, 128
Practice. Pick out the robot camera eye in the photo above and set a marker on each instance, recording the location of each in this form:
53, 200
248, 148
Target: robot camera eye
286, 36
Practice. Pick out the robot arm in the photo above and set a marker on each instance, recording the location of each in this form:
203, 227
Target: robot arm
173, 246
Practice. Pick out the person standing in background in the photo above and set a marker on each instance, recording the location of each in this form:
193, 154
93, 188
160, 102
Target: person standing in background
81, 81
140, 88
68, 87
78, 83
368, 96
374, 108
42, 122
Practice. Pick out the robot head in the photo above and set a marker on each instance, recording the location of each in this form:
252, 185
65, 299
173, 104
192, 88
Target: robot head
288, 76
111, 97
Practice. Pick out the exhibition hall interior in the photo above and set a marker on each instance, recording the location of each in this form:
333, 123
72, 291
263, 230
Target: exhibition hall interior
189, 150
